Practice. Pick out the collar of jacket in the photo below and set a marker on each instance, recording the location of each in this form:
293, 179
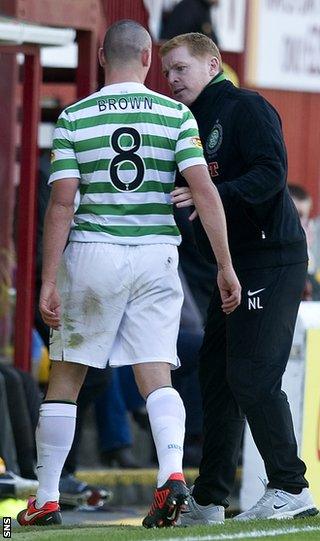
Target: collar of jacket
217, 79
212, 89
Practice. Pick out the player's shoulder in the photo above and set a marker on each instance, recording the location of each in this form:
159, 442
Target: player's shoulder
79, 105
162, 99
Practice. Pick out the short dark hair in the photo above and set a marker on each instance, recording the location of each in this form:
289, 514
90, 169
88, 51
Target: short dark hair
124, 40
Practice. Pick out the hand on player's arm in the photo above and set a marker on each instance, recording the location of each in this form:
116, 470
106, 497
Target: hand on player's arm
57, 222
208, 204
182, 197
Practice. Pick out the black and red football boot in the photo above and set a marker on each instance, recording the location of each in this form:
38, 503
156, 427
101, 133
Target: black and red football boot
168, 501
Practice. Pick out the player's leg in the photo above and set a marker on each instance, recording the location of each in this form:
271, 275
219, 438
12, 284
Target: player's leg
166, 414
167, 420
54, 437
93, 299
147, 340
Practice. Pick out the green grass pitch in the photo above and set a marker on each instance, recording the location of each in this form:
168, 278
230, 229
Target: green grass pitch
284, 530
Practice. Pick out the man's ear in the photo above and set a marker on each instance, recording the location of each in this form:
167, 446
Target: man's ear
146, 58
102, 59
214, 66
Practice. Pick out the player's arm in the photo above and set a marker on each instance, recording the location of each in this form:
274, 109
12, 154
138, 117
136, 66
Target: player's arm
57, 222
208, 204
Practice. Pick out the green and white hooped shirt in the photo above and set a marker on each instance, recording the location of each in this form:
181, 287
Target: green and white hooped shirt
124, 144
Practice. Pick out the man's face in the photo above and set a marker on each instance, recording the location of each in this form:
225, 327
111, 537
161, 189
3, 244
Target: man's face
187, 75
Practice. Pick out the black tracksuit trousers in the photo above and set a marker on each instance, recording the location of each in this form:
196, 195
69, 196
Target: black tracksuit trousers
242, 361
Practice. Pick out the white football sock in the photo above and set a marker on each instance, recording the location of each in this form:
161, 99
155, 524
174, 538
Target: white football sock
167, 419
54, 437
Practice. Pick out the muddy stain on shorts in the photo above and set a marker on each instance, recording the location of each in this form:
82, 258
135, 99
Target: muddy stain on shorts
75, 340
92, 304
68, 322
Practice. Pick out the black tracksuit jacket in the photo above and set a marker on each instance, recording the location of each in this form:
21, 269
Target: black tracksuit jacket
243, 145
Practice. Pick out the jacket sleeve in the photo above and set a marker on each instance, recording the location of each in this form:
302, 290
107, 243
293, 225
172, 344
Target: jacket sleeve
260, 145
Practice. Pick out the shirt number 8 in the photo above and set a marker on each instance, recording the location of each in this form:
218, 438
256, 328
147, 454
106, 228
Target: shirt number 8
126, 155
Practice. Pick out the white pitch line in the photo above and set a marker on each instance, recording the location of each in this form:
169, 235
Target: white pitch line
245, 535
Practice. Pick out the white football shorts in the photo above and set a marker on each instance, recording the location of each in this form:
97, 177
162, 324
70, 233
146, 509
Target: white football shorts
120, 304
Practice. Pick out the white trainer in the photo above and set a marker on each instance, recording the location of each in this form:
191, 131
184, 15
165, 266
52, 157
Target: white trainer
279, 504
201, 514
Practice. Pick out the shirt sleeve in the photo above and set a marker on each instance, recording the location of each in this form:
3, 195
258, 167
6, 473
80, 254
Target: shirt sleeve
188, 151
63, 157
